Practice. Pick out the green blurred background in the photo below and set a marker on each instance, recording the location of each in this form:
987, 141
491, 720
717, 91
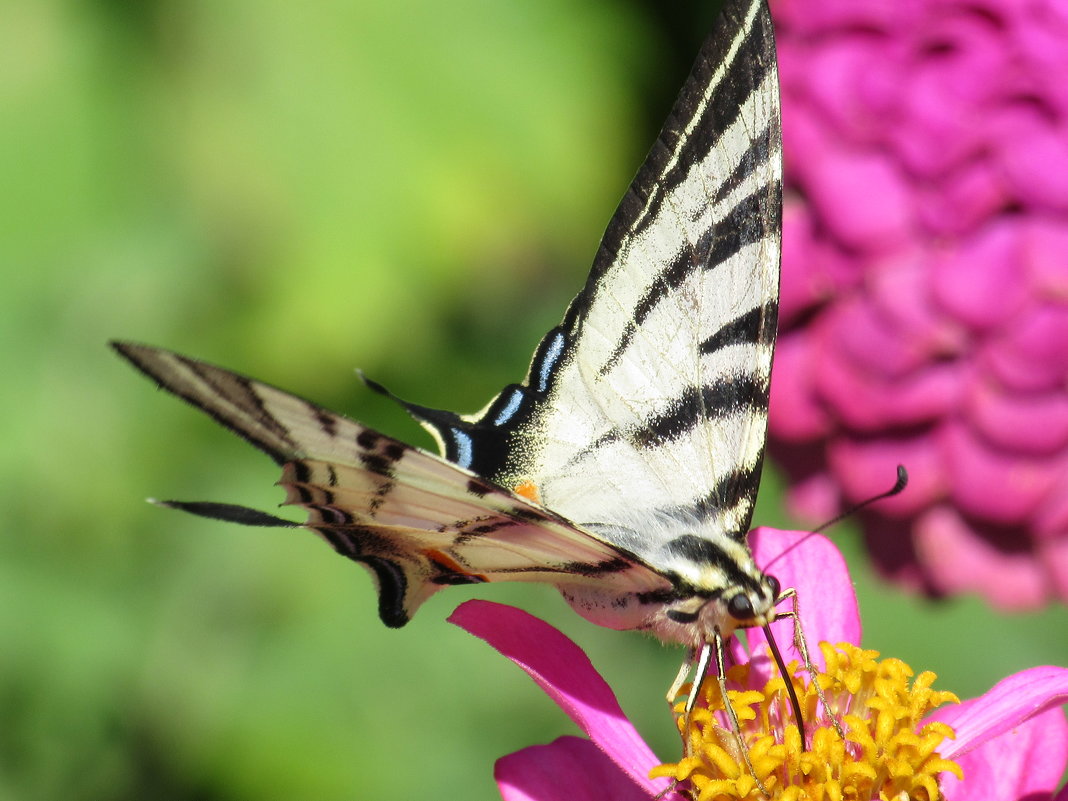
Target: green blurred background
295, 190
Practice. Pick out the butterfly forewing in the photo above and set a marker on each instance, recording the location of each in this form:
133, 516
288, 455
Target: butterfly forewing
649, 401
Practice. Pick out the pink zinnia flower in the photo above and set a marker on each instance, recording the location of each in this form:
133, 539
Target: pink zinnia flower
1011, 743
924, 314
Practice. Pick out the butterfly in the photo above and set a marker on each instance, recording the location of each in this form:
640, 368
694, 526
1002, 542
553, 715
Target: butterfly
623, 470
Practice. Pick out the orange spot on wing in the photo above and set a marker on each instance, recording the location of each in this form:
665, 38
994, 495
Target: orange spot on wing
450, 565
528, 489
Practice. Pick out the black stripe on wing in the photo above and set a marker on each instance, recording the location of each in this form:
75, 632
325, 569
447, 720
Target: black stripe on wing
229, 398
764, 147
726, 239
667, 164
737, 487
756, 325
724, 398
701, 551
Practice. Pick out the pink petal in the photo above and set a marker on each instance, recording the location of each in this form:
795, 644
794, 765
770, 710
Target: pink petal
937, 133
804, 280
956, 62
982, 282
1034, 159
814, 567
994, 485
796, 415
865, 467
869, 401
806, 140
1042, 40
870, 340
813, 18
1004, 707
862, 198
839, 80
1045, 243
960, 559
962, 200
1051, 518
1026, 762
1028, 424
900, 289
565, 673
795, 295
568, 769
813, 498
1054, 556
1032, 354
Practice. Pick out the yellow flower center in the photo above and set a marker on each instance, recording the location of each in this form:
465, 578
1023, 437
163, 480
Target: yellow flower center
886, 754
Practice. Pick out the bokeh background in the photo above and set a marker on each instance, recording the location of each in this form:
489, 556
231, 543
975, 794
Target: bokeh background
295, 190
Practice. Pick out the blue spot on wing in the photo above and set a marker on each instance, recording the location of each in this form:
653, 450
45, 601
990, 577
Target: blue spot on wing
506, 414
549, 360
464, 451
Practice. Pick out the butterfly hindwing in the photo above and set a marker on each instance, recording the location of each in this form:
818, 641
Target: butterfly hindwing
417, 522
649, 401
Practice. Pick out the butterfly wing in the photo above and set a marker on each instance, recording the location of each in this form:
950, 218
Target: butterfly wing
417, 522
648, 404
640, 424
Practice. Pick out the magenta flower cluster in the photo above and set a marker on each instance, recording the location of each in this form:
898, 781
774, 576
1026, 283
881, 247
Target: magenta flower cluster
925, 284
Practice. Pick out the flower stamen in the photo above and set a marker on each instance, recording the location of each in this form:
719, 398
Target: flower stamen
885, 752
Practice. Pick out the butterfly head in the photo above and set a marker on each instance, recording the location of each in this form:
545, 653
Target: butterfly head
718, 588
753, 607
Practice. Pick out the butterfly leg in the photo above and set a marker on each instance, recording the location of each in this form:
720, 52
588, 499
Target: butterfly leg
801, 644
672, 696
704, 659
701, 661
721, 679
684, 673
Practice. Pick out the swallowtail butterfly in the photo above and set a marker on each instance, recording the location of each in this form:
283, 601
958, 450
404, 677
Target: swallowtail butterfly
623, 470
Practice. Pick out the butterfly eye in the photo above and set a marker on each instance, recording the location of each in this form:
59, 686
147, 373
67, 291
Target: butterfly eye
773, 585
740, 607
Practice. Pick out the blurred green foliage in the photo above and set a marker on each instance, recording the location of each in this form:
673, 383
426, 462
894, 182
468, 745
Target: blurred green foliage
294, 190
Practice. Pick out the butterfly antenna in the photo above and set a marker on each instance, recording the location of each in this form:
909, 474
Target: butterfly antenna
897, 489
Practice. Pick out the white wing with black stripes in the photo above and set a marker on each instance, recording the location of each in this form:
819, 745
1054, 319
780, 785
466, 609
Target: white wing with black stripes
623, 470
649, 401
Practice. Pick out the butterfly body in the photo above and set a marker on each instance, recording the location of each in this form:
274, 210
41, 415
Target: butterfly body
696, 608
624, 468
